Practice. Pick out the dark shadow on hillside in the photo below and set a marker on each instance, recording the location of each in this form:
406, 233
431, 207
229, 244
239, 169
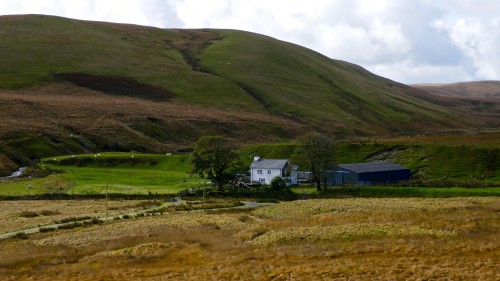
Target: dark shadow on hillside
115, 85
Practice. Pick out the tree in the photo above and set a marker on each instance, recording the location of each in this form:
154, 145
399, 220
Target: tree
278, 184
317, 153
212, 157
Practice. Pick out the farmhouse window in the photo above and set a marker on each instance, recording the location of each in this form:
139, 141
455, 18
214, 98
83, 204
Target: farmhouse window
259, 171
269, 171
262, 179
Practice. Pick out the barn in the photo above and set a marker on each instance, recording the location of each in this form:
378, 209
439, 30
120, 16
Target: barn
370, 173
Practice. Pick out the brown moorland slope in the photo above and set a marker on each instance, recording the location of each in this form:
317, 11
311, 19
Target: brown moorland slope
62, 118
477, 90
479, 99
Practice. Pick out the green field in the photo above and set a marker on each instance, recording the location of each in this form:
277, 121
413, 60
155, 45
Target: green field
124, 173
451, 166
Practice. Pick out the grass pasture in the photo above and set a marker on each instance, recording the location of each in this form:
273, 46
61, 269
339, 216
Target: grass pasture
124, 173
432, 165
326, 239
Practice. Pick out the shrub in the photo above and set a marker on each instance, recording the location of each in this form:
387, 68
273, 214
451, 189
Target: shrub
20, 235
70, 219
211, 225
47, 229
278, 184
28, 214
245, 218
70, 225
66, 226
259, 232
49, 213
147, 204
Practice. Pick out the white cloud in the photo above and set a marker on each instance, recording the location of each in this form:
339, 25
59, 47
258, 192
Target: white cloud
379, 42
408, 41
480, 41
417, 73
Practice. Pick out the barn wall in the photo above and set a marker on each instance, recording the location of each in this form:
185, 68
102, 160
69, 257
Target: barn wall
385, 176
342, 177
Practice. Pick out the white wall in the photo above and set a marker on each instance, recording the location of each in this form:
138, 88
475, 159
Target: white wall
268, 177
293, 177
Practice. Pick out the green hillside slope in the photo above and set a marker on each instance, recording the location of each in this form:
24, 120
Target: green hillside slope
208, 67
295, 81
70, 86
37, 48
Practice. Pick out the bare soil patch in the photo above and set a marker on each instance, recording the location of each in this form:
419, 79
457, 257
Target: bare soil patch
115, 85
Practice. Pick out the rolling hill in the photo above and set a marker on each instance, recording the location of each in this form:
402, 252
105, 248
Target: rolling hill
479, 97
476, 90
69, 86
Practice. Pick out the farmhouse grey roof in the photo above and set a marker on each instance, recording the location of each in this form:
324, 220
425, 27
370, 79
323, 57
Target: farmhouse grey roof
372, 167
269, 164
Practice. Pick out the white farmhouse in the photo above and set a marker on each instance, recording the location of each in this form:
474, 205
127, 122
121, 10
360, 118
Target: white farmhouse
265, 170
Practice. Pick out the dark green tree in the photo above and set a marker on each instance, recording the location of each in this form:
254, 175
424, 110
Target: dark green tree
212, 158
278, 184
317, 154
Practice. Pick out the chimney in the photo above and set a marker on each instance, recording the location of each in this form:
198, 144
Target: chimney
256, 158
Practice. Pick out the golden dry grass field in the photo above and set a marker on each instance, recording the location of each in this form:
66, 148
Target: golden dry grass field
324, 239
12, 218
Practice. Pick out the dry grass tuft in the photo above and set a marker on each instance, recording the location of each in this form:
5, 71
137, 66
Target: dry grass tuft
28, 214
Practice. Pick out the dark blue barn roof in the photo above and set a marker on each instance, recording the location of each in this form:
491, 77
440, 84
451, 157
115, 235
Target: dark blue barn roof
372, 167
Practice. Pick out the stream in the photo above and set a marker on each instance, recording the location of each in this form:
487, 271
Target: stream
16, 174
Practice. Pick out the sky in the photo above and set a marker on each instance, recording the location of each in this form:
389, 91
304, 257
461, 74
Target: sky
409, 41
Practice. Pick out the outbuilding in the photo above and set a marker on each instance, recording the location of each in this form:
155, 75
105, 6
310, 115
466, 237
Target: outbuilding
370, 173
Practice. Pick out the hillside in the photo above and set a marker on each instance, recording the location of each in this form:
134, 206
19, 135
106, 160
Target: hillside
70, 86
477, 90
481, 97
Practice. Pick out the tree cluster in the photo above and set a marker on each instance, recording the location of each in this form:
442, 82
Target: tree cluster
317, 153
212, 158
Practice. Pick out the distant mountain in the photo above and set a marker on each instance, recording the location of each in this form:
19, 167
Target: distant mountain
70, 86
477, 90
479, 100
